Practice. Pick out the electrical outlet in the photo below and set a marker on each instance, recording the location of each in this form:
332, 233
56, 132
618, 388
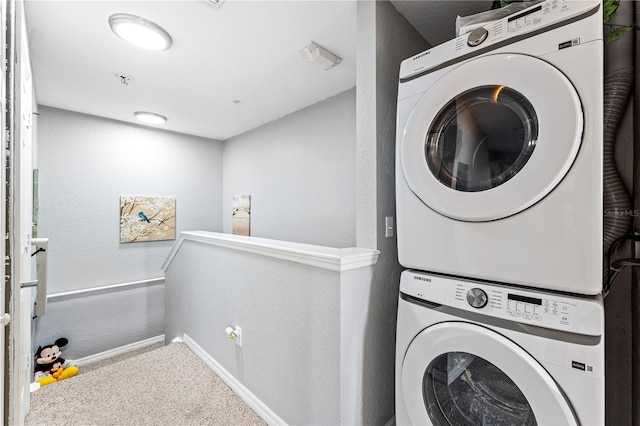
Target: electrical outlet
235, 334
238, 336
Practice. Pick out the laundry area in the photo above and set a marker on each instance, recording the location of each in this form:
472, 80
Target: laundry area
511, 221
353, 212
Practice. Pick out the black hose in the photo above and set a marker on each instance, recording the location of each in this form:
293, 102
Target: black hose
617, 201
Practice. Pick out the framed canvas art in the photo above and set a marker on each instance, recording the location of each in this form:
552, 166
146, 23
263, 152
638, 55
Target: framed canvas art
147, 218
241, 219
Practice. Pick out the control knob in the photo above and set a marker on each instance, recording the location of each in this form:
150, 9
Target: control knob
477, 298
477, 36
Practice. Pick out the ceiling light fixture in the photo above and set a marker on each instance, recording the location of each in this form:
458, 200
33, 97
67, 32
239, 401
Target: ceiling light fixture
315, 53
150, 117
140, 31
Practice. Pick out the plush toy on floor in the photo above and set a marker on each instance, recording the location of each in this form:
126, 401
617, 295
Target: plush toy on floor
50, 367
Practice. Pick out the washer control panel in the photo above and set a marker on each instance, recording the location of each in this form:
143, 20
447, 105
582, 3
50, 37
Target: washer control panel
543, 309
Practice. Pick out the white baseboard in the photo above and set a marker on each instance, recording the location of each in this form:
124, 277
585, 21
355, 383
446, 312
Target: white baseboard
119, 351
258, 406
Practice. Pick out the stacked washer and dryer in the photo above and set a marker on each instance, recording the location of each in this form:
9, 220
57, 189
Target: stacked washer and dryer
499, 206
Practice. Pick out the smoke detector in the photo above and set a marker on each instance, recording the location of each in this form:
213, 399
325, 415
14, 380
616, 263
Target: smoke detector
317, 54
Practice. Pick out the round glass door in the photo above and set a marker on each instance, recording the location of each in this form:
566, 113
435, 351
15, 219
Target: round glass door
487, 141
481, 138
457, 373
463, 389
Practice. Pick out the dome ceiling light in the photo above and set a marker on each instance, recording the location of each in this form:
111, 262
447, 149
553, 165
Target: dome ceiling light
140, 31
150, 117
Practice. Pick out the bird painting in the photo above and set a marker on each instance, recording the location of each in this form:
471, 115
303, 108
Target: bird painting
143, 217
147, 218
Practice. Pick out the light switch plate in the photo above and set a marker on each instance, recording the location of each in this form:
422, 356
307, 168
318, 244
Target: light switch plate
388, 226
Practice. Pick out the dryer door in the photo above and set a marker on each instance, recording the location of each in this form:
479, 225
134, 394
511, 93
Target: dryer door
492, 137
457, 373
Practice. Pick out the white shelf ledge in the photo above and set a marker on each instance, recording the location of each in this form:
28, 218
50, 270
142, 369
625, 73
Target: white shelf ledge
333, 259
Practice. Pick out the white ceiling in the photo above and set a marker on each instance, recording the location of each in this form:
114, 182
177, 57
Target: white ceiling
242, 50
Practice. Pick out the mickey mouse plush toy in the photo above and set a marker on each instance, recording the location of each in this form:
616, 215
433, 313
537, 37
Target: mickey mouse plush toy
50, 367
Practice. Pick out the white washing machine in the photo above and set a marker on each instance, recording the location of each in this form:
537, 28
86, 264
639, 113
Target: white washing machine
471, 353
499, 151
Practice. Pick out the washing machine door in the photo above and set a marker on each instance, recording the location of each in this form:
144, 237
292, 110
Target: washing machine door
492, 137
462, 374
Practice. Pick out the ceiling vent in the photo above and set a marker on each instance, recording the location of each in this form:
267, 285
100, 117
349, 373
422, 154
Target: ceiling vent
124, 79
215, 3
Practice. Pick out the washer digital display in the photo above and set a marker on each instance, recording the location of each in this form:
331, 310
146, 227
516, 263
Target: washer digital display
525, 299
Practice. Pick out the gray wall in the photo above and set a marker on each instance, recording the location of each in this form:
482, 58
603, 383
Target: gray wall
299, 171
290, 319
86, 163
99, 322
385, 38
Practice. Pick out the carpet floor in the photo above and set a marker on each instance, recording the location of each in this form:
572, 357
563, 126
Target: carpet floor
165, 386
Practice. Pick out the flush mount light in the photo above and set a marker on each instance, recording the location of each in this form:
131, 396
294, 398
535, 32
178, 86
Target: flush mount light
150, 117
140, 31
317, 54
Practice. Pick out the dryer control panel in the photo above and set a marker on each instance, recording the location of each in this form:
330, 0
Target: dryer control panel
544, 16
549, 310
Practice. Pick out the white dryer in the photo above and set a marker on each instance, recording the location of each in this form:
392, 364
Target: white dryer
499, 151
470, 353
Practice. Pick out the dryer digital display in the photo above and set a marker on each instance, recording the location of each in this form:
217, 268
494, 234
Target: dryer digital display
525, 299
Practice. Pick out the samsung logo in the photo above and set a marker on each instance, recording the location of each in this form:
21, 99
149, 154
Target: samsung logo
578, 365
423, 54
570, 43
419, 278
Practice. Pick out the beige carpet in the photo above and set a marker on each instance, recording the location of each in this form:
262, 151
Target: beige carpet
165, 386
